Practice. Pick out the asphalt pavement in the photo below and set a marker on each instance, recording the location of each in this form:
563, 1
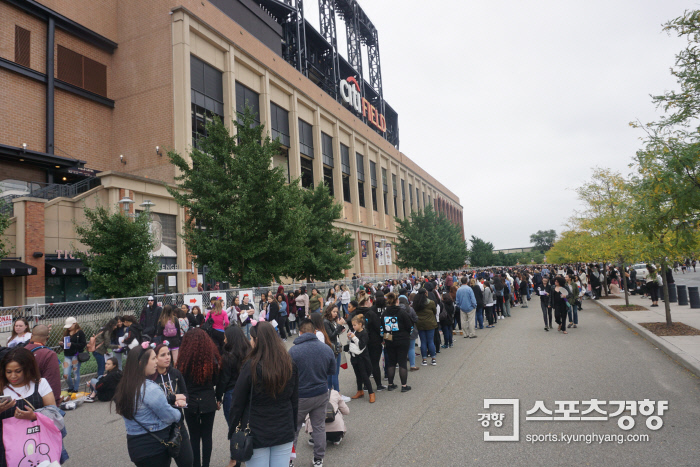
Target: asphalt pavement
437, 423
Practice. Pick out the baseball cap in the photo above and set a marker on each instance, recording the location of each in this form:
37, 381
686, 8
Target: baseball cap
150, 298
70, 322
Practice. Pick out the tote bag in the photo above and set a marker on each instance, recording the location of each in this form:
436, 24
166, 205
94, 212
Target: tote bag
31, 442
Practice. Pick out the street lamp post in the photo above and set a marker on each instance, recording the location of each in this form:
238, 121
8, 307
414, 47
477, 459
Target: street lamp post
125, 204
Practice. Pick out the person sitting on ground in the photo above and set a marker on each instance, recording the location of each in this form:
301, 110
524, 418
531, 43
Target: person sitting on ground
335, 430
47, 359
102, 388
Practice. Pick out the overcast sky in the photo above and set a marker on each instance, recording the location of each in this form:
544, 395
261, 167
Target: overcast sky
510, 104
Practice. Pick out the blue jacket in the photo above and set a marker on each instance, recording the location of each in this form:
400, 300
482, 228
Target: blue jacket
153, 411
315, 362
465, 299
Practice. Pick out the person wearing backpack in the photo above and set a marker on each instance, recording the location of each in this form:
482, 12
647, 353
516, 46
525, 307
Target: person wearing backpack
168, 329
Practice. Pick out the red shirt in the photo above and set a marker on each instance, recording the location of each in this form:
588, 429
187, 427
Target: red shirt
49, 367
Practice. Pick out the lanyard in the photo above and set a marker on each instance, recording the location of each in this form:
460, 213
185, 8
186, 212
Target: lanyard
167, 387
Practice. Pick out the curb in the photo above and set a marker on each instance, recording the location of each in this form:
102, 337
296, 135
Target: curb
668, 349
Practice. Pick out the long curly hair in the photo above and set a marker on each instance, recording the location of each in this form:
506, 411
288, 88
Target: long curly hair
198, 359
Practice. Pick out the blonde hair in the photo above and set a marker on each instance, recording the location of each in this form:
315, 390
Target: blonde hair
359, 319
218, 307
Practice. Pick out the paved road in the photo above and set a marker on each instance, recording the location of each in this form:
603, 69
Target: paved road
436, 423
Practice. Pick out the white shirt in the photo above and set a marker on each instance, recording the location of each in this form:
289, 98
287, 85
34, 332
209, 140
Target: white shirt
26, 391
319, 334
19, 340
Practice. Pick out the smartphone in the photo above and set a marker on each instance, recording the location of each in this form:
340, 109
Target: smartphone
5, 399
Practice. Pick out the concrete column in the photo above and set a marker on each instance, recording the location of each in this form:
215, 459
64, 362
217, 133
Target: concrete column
294, 154
337, 168
229, 84
353, 181
182, 98
318, 155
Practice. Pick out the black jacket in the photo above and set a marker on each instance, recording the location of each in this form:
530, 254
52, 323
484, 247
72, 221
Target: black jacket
373, 325
77, 344
363, 340
195, 320
333, 330
273, 312
479, 295
202, 397
397, 322
173, 383
228, 376
273, 420
450, 308
149, 319
544, 288
134, 333
106, 385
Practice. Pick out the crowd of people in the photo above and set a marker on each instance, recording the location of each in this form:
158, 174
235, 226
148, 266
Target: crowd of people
171, 369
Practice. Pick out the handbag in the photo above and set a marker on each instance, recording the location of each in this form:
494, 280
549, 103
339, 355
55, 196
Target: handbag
83, 357
208, 325
174, 438
241, 442
35, 441
330, 410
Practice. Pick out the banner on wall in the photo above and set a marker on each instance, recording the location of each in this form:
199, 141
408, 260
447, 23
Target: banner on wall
214, 295
193, 300
387, 254
379, 254
364, 248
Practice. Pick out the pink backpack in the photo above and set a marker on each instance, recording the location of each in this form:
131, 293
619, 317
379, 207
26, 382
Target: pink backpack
28, 443
170, 330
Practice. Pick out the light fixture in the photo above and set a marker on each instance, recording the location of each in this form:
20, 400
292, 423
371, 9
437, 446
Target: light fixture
21, 160
147, 205
37, 254
24, 147
125, 203
158, 151
121, 159
57, 166
64, 179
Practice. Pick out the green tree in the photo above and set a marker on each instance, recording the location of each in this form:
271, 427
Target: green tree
480, 253
429, 242
4, 224
543, 239
326, 254
243, 221
118, 261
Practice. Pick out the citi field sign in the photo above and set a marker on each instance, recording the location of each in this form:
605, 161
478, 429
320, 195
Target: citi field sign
350, 92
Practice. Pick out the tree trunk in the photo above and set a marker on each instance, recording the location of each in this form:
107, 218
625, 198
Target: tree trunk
667, 304
623, 279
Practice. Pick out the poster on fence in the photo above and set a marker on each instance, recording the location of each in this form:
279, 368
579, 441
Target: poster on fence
246, 293
387, 254
6, 323
193, 300
379, 254
217, 296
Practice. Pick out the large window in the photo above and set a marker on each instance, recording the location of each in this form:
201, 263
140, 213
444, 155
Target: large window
393, 183
360, 177
385, 190
307, 173
345, 168
417, 198
403, 197
328, 179
306, 139
410, 193
207, 97
373, 181
279, 119
247, 97
328, 163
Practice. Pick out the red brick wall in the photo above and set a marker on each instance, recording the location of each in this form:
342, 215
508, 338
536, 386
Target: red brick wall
98, 15
21, 171
34, 241
22, 109
83, 131
12, 16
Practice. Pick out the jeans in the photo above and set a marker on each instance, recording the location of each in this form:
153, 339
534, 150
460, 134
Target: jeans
546, 311
447, 334
226, 405
489, 315
427, 343
479, 317
91, 385
246, 329
498, 309
333, 379
200, 427
412, 353
71, 370
275, 456
458, 321
573, 314
281, 326
100, 359
375, 355
506, 307
345, 310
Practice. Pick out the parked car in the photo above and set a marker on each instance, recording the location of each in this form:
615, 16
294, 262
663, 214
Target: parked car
642, 271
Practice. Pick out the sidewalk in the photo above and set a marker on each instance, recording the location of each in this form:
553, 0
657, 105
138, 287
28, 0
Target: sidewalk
685, 350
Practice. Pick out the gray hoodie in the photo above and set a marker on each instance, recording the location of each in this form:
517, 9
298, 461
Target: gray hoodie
315, 362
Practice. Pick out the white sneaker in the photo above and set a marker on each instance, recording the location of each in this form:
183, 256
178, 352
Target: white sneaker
318, 463
345, 398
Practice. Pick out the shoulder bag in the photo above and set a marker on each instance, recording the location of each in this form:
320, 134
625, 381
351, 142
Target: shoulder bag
174, 439
208, 325
241, 443
330, 410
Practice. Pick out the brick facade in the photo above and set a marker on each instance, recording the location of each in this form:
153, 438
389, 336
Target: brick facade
34, 241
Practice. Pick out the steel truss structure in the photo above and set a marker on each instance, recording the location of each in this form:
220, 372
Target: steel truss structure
315, 54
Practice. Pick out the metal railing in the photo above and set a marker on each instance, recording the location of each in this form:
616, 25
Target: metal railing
49, 191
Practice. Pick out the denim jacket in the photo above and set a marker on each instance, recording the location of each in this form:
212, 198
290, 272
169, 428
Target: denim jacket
153, 411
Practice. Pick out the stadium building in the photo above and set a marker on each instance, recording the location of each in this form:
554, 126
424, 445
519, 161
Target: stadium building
92, 94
